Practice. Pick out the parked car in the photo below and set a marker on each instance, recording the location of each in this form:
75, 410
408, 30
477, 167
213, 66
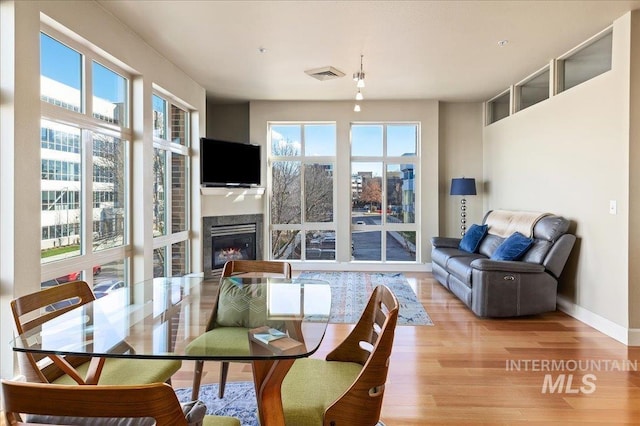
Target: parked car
75, 276
105, 288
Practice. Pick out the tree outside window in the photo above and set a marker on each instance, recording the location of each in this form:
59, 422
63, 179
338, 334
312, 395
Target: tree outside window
302, 188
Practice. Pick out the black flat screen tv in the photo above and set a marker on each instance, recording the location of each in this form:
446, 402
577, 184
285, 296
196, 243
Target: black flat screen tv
224, 163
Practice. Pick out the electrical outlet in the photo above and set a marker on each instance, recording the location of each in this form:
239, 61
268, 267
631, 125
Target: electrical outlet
613, 207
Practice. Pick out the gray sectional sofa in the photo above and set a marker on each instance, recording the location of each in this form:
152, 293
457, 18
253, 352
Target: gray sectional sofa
506, 288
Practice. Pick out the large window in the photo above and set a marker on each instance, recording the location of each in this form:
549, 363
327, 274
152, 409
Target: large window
384, 167
84, 142
302, 164
170, 187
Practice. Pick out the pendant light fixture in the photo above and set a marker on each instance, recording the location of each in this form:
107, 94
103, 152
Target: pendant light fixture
358, 77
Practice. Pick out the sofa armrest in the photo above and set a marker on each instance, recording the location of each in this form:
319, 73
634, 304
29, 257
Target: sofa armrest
507, 266
445, 242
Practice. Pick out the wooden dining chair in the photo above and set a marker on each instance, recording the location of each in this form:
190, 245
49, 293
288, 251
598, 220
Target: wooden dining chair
81, 405
33, 310
259, 267
347, 387
221, 337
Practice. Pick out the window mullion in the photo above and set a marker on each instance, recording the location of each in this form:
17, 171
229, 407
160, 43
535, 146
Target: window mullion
168, 193
86, 207
87, 92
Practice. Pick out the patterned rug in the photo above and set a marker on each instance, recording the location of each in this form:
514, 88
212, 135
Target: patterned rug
350, 292
239, 401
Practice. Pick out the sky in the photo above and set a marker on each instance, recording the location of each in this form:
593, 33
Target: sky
63, 64
367, 141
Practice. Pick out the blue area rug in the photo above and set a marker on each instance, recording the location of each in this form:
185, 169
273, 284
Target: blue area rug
350, 292
239, 401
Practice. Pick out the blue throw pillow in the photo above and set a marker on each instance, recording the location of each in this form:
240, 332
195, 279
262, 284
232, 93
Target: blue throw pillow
472, 238
513, 248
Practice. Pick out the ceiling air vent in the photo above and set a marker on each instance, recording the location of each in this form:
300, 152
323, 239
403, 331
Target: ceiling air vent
325, 73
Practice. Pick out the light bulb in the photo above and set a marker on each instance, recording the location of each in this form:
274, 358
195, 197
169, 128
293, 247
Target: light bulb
356, 108
359, 96
360, 83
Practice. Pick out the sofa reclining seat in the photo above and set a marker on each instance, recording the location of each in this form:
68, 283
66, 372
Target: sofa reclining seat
501, 288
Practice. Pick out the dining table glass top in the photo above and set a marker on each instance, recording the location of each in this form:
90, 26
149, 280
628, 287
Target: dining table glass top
158, 318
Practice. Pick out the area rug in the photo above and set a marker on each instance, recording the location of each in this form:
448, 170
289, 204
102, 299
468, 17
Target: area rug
239, 401
350, 292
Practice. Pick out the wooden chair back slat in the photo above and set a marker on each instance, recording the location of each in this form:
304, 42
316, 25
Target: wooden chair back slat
376, 327
32, 310
234, 267
157, 400
76, 293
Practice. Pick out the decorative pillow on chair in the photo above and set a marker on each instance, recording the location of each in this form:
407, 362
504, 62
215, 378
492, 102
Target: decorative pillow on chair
241, 306
472, 238
513, 248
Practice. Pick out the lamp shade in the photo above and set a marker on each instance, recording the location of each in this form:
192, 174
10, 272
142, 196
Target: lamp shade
463, 186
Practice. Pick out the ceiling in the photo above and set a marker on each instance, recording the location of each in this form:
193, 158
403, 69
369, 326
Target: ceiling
443, 50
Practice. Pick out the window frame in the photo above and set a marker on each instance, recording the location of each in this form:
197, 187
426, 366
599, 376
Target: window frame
490, 112
517, 96
304, 226
386, 160
88, 125
169, 238
560, 83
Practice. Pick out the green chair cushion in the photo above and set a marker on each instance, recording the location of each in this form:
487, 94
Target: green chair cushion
220, 421
120, 371
220, 341
311, 386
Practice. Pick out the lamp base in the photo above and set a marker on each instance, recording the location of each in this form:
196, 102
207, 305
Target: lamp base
463, 216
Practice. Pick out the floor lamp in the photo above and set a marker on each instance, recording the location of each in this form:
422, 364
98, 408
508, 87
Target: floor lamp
463, 186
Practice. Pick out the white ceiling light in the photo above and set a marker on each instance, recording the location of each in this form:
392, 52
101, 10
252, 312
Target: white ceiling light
358, 77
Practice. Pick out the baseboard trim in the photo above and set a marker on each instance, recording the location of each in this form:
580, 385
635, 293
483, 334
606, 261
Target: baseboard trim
359, 266
629, 337
634, 337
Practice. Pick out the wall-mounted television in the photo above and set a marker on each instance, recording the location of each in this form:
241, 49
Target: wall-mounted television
224, 163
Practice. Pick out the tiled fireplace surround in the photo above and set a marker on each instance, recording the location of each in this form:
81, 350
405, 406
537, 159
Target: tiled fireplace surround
210, 221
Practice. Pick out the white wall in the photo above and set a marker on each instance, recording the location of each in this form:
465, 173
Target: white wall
569, 155
460, 155
20, 141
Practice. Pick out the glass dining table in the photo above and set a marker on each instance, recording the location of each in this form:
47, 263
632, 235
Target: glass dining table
158, 318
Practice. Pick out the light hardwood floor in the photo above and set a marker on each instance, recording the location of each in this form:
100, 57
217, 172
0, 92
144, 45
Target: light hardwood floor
464, 370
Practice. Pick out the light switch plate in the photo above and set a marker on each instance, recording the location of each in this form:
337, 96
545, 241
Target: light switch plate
613, 207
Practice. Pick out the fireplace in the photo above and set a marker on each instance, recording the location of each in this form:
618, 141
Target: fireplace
232, 242
228, 238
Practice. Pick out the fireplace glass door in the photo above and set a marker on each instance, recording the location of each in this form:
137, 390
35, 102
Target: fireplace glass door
233, 242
